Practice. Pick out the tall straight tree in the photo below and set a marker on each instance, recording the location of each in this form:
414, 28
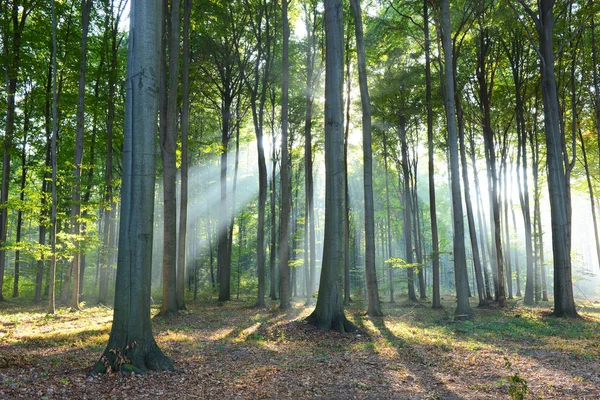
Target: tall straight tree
168, 147
16, 15
374, 307
435, 247
131, 336
557, 162
258, 87
286, 195
329, 310
185, 123
463, 309
311, 78
86, 7
52, 275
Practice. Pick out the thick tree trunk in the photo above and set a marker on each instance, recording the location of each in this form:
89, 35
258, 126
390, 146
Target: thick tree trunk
131, 346
564, 303
463, 310
329, 311
411, 286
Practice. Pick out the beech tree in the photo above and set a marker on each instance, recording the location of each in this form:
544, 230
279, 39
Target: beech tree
131, 346
329, 310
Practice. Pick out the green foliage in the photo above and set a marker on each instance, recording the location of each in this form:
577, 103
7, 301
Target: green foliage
517, 388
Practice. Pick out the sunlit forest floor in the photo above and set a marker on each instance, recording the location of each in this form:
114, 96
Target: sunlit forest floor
238, 352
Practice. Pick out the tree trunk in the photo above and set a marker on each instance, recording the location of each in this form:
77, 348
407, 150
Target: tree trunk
86, 6
389, 230
463, 310
407, 224
52, 276
485, 91
185, 118
470, 216
560, 207
26, 123
131, 346
12, 56
168, 147
284, 216
347, 299
273, 244
374, 307
435, 247
329, 311
591, 192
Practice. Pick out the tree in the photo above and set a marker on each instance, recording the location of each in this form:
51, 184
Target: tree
435, 249
284, 215
560, 203
131, 346
168, 146
329, 310
185, 121
463, 310
86, 7
374, 308
19, 12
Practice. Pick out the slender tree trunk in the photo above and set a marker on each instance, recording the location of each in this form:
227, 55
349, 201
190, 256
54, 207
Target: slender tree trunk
86, 6
168, 146
52, 276
374, 307
435, 248
389, 228
485, 91
470, 217
273, 245
26, 122
347, 298
407, 225
591, 192
463, 310
506, 234
185, 117
284, 216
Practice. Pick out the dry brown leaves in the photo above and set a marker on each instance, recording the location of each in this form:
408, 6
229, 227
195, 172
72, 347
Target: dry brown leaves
237, 352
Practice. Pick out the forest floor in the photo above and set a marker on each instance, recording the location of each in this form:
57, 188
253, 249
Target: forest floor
237, 352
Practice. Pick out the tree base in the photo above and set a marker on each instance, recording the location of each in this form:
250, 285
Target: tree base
133, 359
338, 323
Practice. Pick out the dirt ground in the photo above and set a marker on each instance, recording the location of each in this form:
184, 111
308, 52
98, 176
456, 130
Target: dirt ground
238, 352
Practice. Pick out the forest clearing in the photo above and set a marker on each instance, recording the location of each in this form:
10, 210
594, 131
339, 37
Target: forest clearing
236, 351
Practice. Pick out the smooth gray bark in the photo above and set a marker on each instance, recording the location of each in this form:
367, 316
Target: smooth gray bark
329, 310
131, 346
463, 310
